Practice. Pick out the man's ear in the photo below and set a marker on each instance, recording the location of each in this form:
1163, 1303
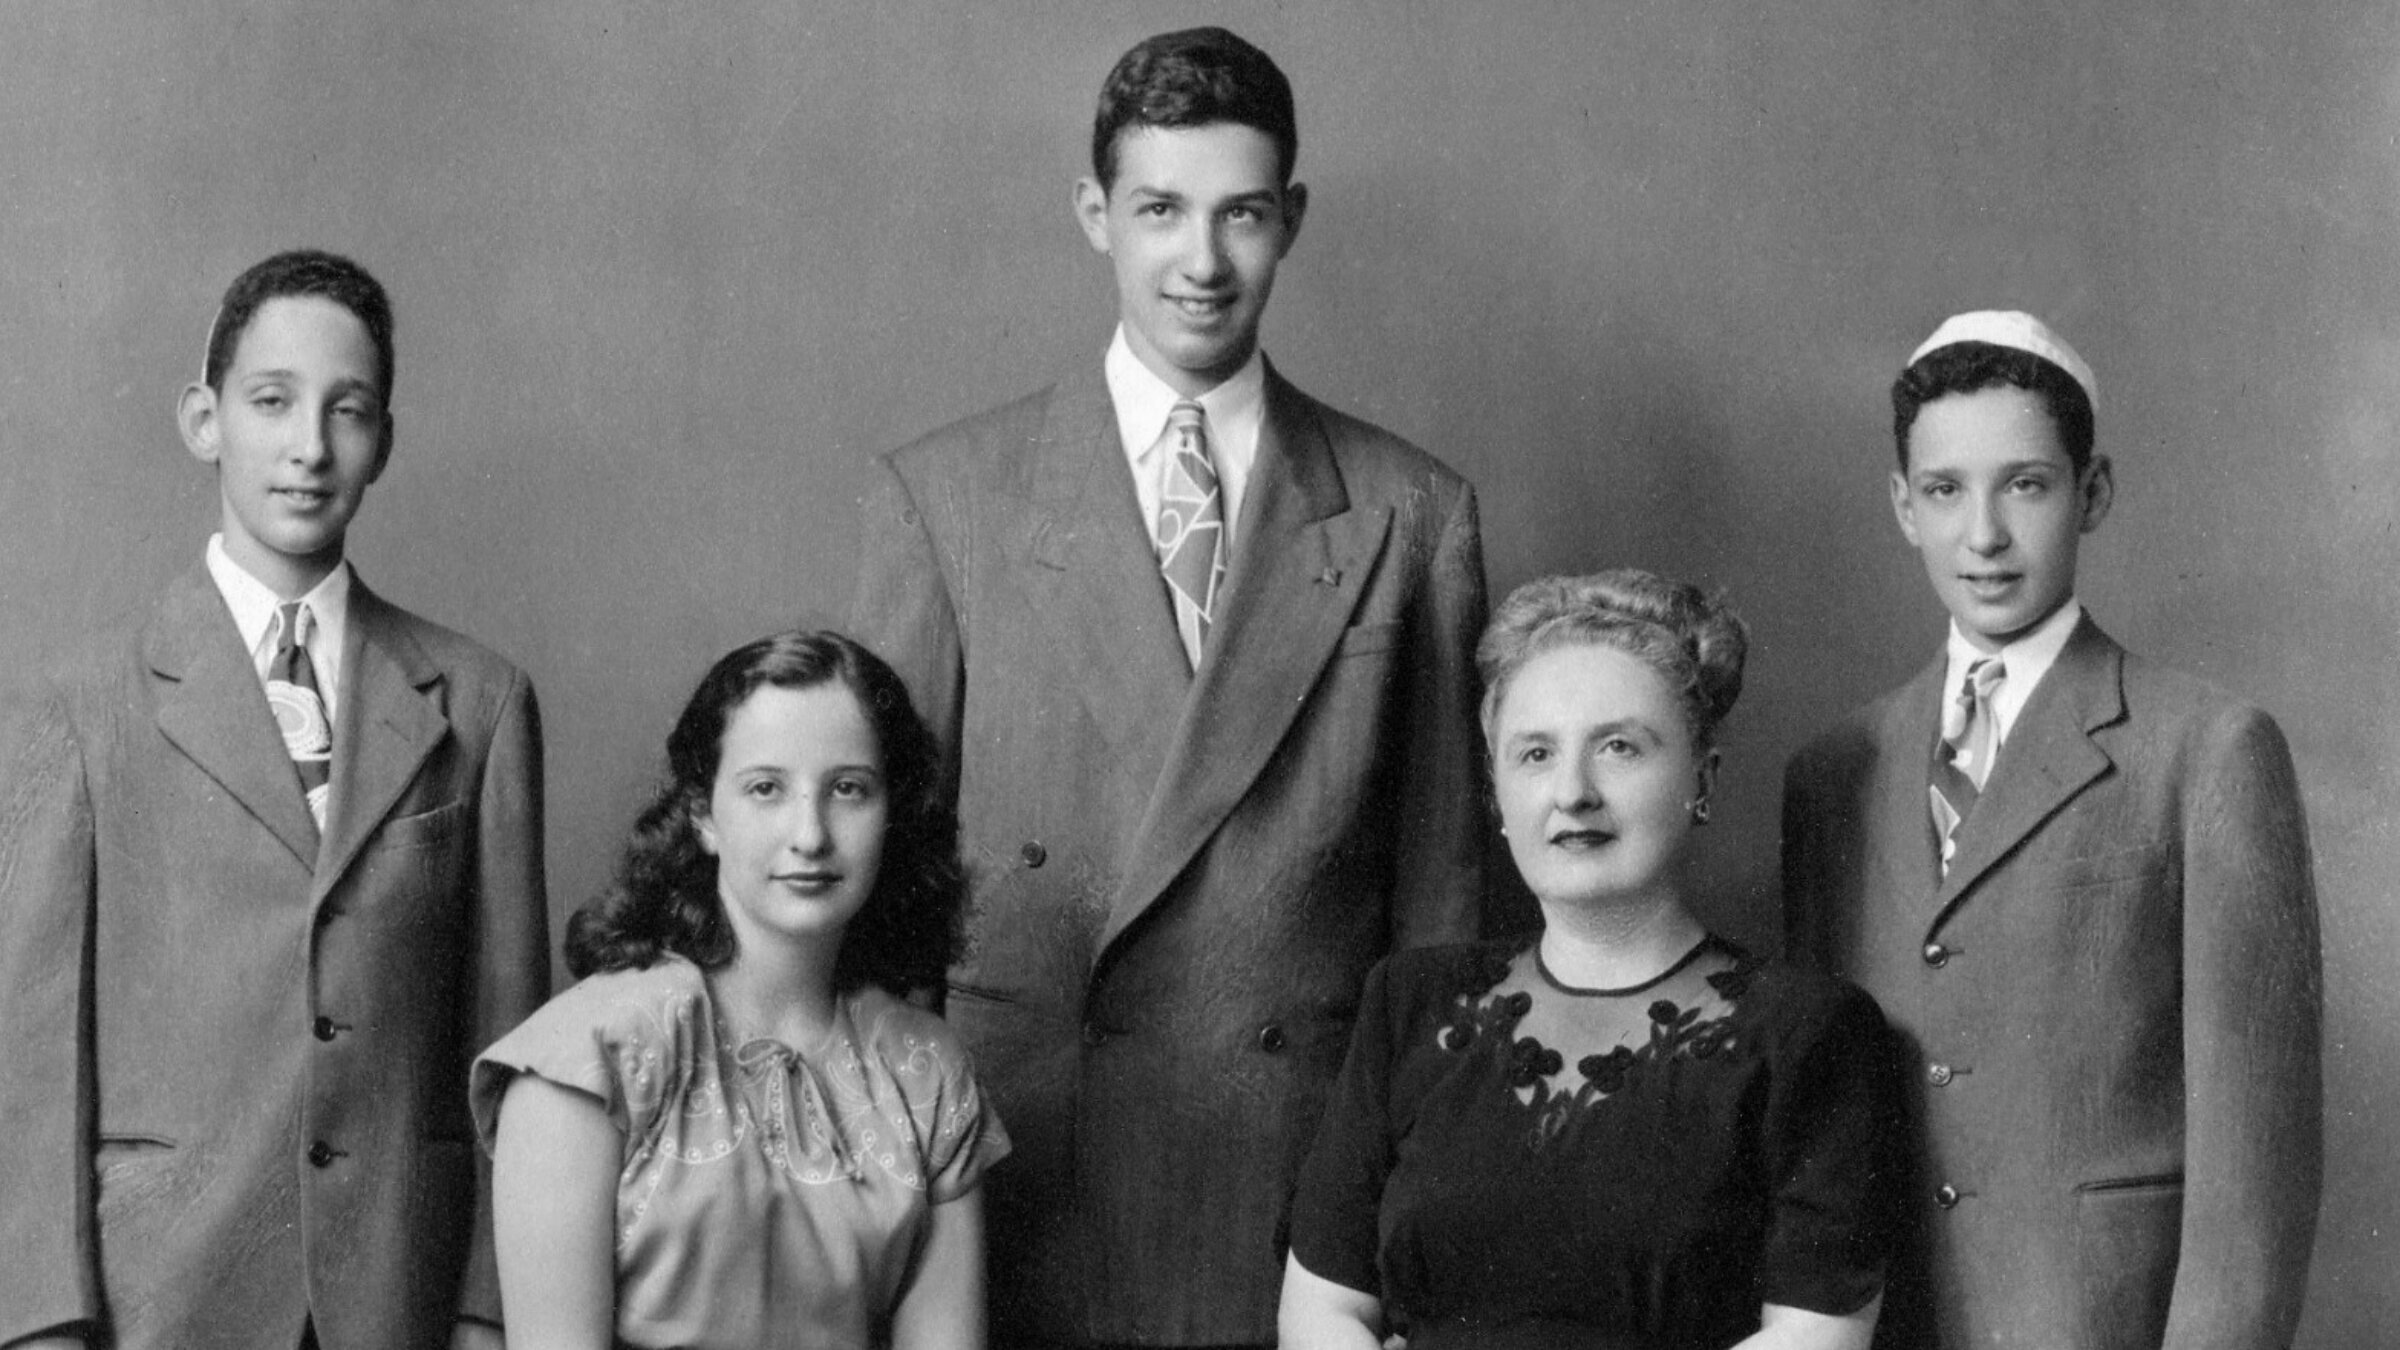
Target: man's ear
196, 419
2098, 491
383, 452
1091, 212
1900, 507
1295, 210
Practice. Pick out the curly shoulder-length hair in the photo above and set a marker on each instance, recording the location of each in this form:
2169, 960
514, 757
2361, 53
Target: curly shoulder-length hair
665, 898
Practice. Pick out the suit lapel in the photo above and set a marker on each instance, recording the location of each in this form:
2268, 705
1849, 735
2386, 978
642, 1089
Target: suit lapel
212, 707
1095, 577
1301, 560
2048, 758
390, 719
1912, 852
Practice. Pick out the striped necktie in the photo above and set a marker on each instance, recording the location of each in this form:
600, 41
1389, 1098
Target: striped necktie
1962, 759
1191, 526
299, 709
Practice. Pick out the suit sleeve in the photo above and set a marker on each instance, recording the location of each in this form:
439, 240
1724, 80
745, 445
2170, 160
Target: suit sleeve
512, 908
904, 613
1803, 936
1438, 895
2253, 1154
49, 1271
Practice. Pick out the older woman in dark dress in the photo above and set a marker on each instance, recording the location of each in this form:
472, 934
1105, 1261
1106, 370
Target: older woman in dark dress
1623, 1131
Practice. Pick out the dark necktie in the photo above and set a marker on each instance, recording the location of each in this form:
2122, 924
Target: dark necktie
299, 708
1191, 526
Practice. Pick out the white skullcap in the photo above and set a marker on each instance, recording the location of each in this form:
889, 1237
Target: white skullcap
2012, 328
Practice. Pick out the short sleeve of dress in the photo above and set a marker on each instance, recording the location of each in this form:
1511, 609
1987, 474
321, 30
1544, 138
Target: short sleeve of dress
623, 1037
968, 1137
1336, 1206
1832, 1128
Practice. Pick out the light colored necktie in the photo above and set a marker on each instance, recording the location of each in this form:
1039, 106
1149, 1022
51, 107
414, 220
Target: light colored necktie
1962, 761
1191, 526
299, 708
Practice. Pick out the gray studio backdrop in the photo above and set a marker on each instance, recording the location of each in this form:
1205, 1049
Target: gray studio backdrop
669, 274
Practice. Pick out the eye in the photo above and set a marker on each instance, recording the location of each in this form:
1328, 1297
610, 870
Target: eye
1155, 210
355, 412
269, 402
1618, 747
2029, 485
853, 789
1534, 755
1938, 490
762, 789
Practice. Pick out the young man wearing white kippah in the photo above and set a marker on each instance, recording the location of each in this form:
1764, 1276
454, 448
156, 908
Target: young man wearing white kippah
2079, 885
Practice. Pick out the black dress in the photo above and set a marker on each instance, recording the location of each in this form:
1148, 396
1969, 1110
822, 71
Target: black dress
1506, 1161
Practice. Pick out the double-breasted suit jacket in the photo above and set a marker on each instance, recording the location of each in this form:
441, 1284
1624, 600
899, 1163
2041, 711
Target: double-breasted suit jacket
1180, 877
2112, 1002
235, 1065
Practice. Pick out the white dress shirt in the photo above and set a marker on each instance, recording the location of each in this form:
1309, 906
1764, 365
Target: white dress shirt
1235, 410
254, 603
2023, 662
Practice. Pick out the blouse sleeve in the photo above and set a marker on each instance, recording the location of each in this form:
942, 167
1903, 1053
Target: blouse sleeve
1833, 1128
1339, 1198
611, 1037
968, 1137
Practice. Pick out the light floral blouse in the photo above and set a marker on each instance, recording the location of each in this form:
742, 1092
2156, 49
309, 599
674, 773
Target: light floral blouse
768, 1197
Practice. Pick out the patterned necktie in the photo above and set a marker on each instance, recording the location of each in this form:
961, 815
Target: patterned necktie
299, 709
1962, 761
1191, 526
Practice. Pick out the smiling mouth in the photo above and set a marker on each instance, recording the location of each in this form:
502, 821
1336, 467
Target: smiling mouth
1581, 838
305, 496
1201, 307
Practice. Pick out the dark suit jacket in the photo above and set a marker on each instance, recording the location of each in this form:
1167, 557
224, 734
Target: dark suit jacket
1181, 878
235, 1065
2113, 1002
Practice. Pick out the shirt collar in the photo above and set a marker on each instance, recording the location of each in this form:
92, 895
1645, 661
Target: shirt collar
2026, 660
1143, 400
253, 602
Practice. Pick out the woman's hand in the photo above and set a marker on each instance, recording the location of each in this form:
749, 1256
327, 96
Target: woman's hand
1787, 1328
554, 1203
942, 1307
1317, 1314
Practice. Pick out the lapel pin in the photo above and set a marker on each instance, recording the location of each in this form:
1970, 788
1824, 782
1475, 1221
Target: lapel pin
1331, 576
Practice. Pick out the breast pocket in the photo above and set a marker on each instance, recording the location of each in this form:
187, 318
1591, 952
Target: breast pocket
424, 829
1366, 639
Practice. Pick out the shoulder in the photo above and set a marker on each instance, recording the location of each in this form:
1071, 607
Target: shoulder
461, 658
1433, 977
1370, 456
920, 1050
994, 441
2166, 696
1805, 1001
661, 1002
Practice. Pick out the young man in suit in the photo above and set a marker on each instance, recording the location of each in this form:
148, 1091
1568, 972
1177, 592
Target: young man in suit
270, 875
2079, 884
1200, 651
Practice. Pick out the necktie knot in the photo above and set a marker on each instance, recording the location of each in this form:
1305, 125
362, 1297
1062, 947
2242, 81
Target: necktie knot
291, 625
299, 707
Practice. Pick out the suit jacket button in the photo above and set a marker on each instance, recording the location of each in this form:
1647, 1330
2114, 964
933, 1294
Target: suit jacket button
1946, 1197
320, 1154
324, 1028
1938, 1074
1271, 1038
1033, 853
1936, 955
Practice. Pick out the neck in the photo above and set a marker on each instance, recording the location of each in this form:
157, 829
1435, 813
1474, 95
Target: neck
787, 994
1619, 945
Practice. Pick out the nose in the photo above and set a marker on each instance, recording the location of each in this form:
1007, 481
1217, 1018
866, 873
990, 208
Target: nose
1204, 258
312, 442
810, 837
1576, 784
1987, 528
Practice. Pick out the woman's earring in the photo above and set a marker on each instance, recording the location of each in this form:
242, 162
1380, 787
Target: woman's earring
1698, 806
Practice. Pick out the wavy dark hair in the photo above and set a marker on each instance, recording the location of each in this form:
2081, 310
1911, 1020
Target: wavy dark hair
665, 898
1190, 79
1971, 367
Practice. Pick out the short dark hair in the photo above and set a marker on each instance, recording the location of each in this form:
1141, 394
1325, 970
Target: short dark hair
1968, 367
1695, 642
666, 899
1189, 79
302, 271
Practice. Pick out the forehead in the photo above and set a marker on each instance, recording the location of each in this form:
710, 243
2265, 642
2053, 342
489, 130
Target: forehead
1989, 427
305, 333
822, 723
1214, 158
1586, 683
